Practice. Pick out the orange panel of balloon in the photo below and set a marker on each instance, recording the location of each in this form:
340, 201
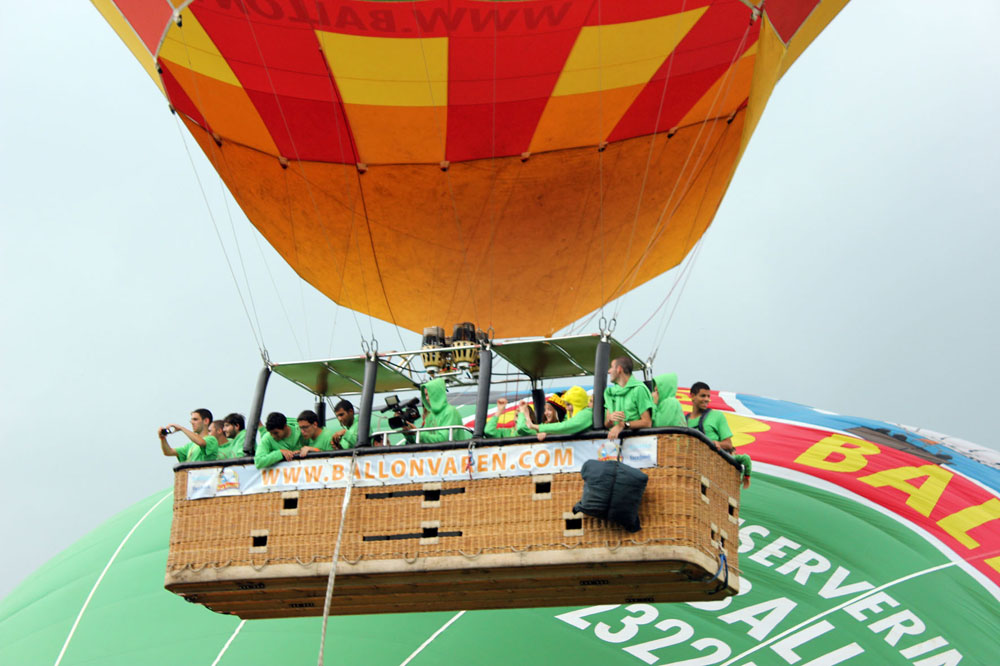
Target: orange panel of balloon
413, 160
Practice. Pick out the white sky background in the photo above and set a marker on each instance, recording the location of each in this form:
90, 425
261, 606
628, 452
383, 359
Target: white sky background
853, 265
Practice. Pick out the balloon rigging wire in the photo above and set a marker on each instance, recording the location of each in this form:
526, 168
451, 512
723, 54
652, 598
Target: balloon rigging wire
649, 153
225, 161
258, 335
662, 332
236, 282
338, 102
680, 274
312, 196
622, 288
602, 240
581, 324
682, 278
680, 175
666, 325
239, 251
691, 258
600, 150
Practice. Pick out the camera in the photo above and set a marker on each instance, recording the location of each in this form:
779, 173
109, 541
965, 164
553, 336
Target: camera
405, 412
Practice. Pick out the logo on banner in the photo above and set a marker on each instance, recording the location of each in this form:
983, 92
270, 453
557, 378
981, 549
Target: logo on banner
608, 451
229, 479
640, 452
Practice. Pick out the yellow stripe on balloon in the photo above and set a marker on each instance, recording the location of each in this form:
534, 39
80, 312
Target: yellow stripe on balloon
388, 71
188, 45
125, 32
622, 54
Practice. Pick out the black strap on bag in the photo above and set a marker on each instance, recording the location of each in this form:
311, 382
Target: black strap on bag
700, 427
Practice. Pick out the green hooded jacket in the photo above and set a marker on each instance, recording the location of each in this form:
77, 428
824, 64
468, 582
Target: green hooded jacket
520, 428
580, 421
233, 448
633, 399
437, 412
350, 438
744, 459
667, 411
269, 449
191, 452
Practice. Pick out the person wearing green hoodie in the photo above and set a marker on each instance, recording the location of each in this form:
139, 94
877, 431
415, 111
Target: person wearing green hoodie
667, 410
493, 428
627, 401
282, 441
437, 413
579, 419
577, 398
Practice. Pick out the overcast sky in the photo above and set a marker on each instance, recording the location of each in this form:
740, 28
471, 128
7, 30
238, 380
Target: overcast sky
852, 266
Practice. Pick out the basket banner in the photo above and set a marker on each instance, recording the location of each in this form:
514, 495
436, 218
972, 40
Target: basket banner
394, 468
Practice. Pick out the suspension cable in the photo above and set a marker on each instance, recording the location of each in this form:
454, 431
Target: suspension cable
305, 180
663, 217
652, 144
260, 345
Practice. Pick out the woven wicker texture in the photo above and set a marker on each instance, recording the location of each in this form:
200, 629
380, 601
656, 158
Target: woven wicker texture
472, 517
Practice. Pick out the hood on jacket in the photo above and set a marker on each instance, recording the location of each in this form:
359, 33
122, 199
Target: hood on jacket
666, 385
615, 389
576, 396
434, 396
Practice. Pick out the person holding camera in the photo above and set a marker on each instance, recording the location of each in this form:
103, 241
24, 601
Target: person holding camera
282, 441
437, 413
202, 445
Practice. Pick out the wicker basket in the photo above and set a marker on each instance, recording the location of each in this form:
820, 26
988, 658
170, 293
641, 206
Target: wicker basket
487, 543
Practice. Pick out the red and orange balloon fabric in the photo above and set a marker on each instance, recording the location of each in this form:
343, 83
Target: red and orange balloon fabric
512, 163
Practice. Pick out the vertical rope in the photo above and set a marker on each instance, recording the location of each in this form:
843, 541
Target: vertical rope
336, 556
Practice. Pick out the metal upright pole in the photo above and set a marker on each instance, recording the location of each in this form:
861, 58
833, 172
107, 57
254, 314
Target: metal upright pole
367, 396
321, 410
602, 361
250, 440
538, 400
483, 396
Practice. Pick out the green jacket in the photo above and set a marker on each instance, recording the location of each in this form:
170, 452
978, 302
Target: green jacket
350, 438
633, 399
744, 459
191, 452
520, 428
667, 411
269, 449
580, 421
233, 448
437, 412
